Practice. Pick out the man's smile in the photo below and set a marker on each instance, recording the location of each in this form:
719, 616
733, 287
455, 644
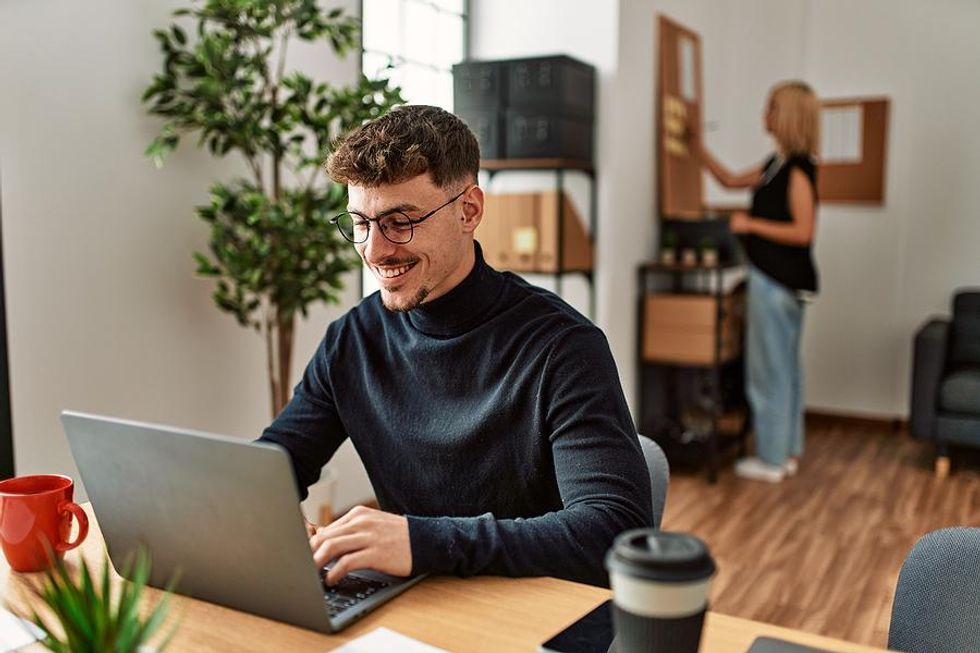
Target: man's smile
389, 272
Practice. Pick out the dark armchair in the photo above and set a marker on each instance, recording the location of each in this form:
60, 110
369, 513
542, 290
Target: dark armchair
945, 405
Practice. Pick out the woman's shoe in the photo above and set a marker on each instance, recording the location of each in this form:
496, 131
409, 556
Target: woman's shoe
792, 466
757, 470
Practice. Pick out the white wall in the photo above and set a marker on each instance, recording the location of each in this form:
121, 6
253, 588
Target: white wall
587, 31
103, 309
511, 28
884, 269
104, 313
619, 38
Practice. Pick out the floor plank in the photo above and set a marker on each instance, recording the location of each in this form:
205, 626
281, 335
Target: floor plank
821, 551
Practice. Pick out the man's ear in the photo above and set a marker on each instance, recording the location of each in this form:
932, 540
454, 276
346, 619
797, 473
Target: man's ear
472, 208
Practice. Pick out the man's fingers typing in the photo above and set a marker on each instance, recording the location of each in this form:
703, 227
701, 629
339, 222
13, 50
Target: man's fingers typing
347, 563
336, 547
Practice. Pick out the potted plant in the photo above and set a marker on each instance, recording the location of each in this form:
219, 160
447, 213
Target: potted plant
689, 257
85, 615
225, 80
709, 252
668, 248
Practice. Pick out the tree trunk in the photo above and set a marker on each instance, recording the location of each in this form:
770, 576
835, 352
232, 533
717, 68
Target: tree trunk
279, 355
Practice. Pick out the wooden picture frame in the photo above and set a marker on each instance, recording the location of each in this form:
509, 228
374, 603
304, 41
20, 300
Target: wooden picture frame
853, 172
678, 120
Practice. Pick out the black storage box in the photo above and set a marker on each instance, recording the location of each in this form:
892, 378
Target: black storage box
488, 126
480, 85
539, 135
539, 107
557, 85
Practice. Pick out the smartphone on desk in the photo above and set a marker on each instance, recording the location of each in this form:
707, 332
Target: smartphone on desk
593, 633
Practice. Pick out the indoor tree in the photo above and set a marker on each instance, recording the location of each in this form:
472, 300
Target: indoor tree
224, 78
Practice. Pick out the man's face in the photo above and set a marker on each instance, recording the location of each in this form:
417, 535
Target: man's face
440, 254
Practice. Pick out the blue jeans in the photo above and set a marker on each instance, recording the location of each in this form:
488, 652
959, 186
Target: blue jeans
774, 372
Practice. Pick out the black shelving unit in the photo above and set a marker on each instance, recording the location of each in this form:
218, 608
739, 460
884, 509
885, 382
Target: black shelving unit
668, 389
561, 167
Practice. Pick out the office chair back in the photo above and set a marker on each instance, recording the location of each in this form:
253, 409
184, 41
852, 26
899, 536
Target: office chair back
938, 594
659, 476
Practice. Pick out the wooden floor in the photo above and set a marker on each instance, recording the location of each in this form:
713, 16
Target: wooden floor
821, 551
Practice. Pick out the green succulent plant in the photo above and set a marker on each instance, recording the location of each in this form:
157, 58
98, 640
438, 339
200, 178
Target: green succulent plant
225, 79
87, 616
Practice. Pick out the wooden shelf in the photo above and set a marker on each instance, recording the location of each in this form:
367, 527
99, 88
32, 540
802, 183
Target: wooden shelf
536, 164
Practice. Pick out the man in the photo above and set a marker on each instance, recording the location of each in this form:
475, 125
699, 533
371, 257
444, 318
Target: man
487, 412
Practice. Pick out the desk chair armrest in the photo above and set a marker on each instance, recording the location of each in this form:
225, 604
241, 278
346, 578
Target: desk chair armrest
928, 363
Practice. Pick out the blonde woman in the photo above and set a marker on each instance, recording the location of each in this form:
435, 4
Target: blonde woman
777, 234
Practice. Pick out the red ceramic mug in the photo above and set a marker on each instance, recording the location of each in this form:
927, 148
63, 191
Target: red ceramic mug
35, 517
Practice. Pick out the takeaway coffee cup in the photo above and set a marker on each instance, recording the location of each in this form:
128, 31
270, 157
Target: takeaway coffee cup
35, 520
660, 587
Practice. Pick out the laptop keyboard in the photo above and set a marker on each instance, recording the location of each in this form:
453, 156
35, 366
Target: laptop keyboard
351, 590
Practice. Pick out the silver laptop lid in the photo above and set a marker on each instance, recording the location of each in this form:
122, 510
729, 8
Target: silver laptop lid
222, 511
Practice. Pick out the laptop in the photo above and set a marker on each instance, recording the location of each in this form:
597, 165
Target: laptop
222, 512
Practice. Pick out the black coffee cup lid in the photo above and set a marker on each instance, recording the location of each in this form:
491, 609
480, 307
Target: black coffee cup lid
660, 556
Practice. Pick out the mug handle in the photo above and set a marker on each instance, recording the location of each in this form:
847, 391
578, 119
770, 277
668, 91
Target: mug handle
75, 509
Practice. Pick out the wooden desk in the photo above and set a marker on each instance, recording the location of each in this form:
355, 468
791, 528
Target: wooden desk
477, 614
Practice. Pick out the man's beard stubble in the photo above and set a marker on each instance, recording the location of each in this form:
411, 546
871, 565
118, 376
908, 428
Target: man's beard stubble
413, 303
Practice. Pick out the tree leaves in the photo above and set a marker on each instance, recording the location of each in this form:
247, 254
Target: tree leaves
283, 252
162, 145
179, 35
265, 249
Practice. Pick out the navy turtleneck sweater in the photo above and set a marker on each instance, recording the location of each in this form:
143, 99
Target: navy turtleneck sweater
492, 417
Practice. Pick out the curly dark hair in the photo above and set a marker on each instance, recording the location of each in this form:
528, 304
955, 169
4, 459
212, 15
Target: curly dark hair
404, 143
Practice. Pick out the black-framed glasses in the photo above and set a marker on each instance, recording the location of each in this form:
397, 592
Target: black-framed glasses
395, 225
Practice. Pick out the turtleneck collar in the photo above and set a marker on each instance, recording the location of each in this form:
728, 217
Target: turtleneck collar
463, 307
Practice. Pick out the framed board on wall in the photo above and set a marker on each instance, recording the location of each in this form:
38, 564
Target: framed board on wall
678, 120
853, 149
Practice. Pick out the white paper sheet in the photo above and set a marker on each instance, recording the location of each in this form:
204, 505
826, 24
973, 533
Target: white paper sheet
383, 640
15, 632
688, 91
841, 134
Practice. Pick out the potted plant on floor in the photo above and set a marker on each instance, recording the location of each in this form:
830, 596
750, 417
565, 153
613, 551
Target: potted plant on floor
225, 79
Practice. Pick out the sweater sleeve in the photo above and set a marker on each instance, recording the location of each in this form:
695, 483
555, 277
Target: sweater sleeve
309, 427
600, 469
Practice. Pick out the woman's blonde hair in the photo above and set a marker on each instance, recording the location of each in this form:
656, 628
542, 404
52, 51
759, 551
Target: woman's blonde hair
797, 122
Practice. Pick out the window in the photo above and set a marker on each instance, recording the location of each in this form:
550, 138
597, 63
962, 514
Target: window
413, 43
420, 40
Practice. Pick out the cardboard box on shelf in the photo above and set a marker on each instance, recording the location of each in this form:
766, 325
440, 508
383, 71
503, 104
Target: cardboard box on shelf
519, 232
679, 328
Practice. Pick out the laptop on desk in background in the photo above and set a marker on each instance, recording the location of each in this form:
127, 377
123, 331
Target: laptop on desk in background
221, 511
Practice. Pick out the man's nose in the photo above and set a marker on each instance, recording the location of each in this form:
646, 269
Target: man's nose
377, 248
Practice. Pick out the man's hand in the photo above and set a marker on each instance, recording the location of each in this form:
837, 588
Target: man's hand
740, 222
364, 538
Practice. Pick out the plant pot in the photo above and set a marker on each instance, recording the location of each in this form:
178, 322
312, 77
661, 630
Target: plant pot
668, 256
689, 257
709, 258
